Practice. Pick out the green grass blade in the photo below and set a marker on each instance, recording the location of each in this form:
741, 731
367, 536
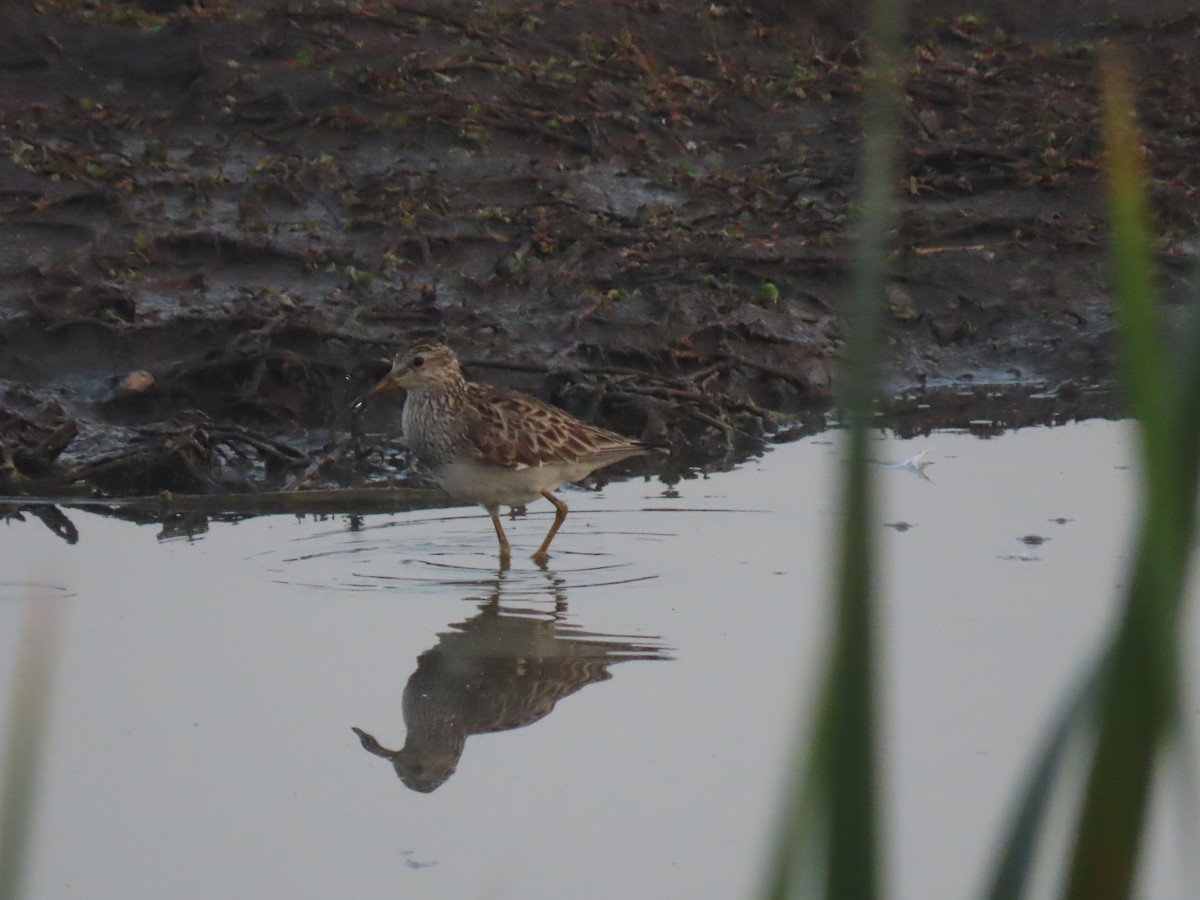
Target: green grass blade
1139, 701
1130, 703
828, 842
1141, 368
1019, 857
1183, 400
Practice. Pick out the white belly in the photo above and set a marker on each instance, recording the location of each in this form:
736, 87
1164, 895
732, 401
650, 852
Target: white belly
496, 485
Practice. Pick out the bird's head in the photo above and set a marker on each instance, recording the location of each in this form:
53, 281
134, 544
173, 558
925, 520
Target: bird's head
424, 364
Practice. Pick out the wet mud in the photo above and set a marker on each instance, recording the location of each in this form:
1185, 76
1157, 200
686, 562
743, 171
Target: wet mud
218, 222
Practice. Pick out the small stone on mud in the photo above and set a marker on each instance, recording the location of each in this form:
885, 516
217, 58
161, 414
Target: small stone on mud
136, 382
1033, 540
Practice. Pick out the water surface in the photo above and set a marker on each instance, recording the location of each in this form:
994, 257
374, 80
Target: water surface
615, 725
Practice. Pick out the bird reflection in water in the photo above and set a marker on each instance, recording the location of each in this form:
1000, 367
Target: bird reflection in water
503, 668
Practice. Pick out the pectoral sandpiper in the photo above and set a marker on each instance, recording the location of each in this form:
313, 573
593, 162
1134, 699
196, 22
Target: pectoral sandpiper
495, 446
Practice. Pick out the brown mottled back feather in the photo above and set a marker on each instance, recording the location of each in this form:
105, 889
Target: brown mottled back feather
557, 437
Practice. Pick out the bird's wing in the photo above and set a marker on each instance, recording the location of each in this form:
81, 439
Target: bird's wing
512, 430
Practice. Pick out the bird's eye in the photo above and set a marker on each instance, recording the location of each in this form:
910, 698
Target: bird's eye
418, 361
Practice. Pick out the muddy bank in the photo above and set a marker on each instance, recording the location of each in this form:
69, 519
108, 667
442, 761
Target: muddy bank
215, 227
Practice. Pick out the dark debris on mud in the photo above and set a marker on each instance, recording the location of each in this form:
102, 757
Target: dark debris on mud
218, 221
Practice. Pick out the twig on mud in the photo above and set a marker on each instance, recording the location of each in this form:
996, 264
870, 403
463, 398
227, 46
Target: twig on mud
689, 410
668, 393
546, 368
724, 427
137, 457
278, 451
53, 444
701, 377
773, 371
31, 444
662, 392
189, 466
181, 447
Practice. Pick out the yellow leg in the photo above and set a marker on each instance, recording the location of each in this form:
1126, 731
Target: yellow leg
560, 516
505, 550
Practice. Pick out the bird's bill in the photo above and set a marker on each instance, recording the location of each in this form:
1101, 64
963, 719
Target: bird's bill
388, 382
371, 745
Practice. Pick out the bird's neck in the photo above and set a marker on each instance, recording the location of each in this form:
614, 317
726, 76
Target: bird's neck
447, 392
434, 419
